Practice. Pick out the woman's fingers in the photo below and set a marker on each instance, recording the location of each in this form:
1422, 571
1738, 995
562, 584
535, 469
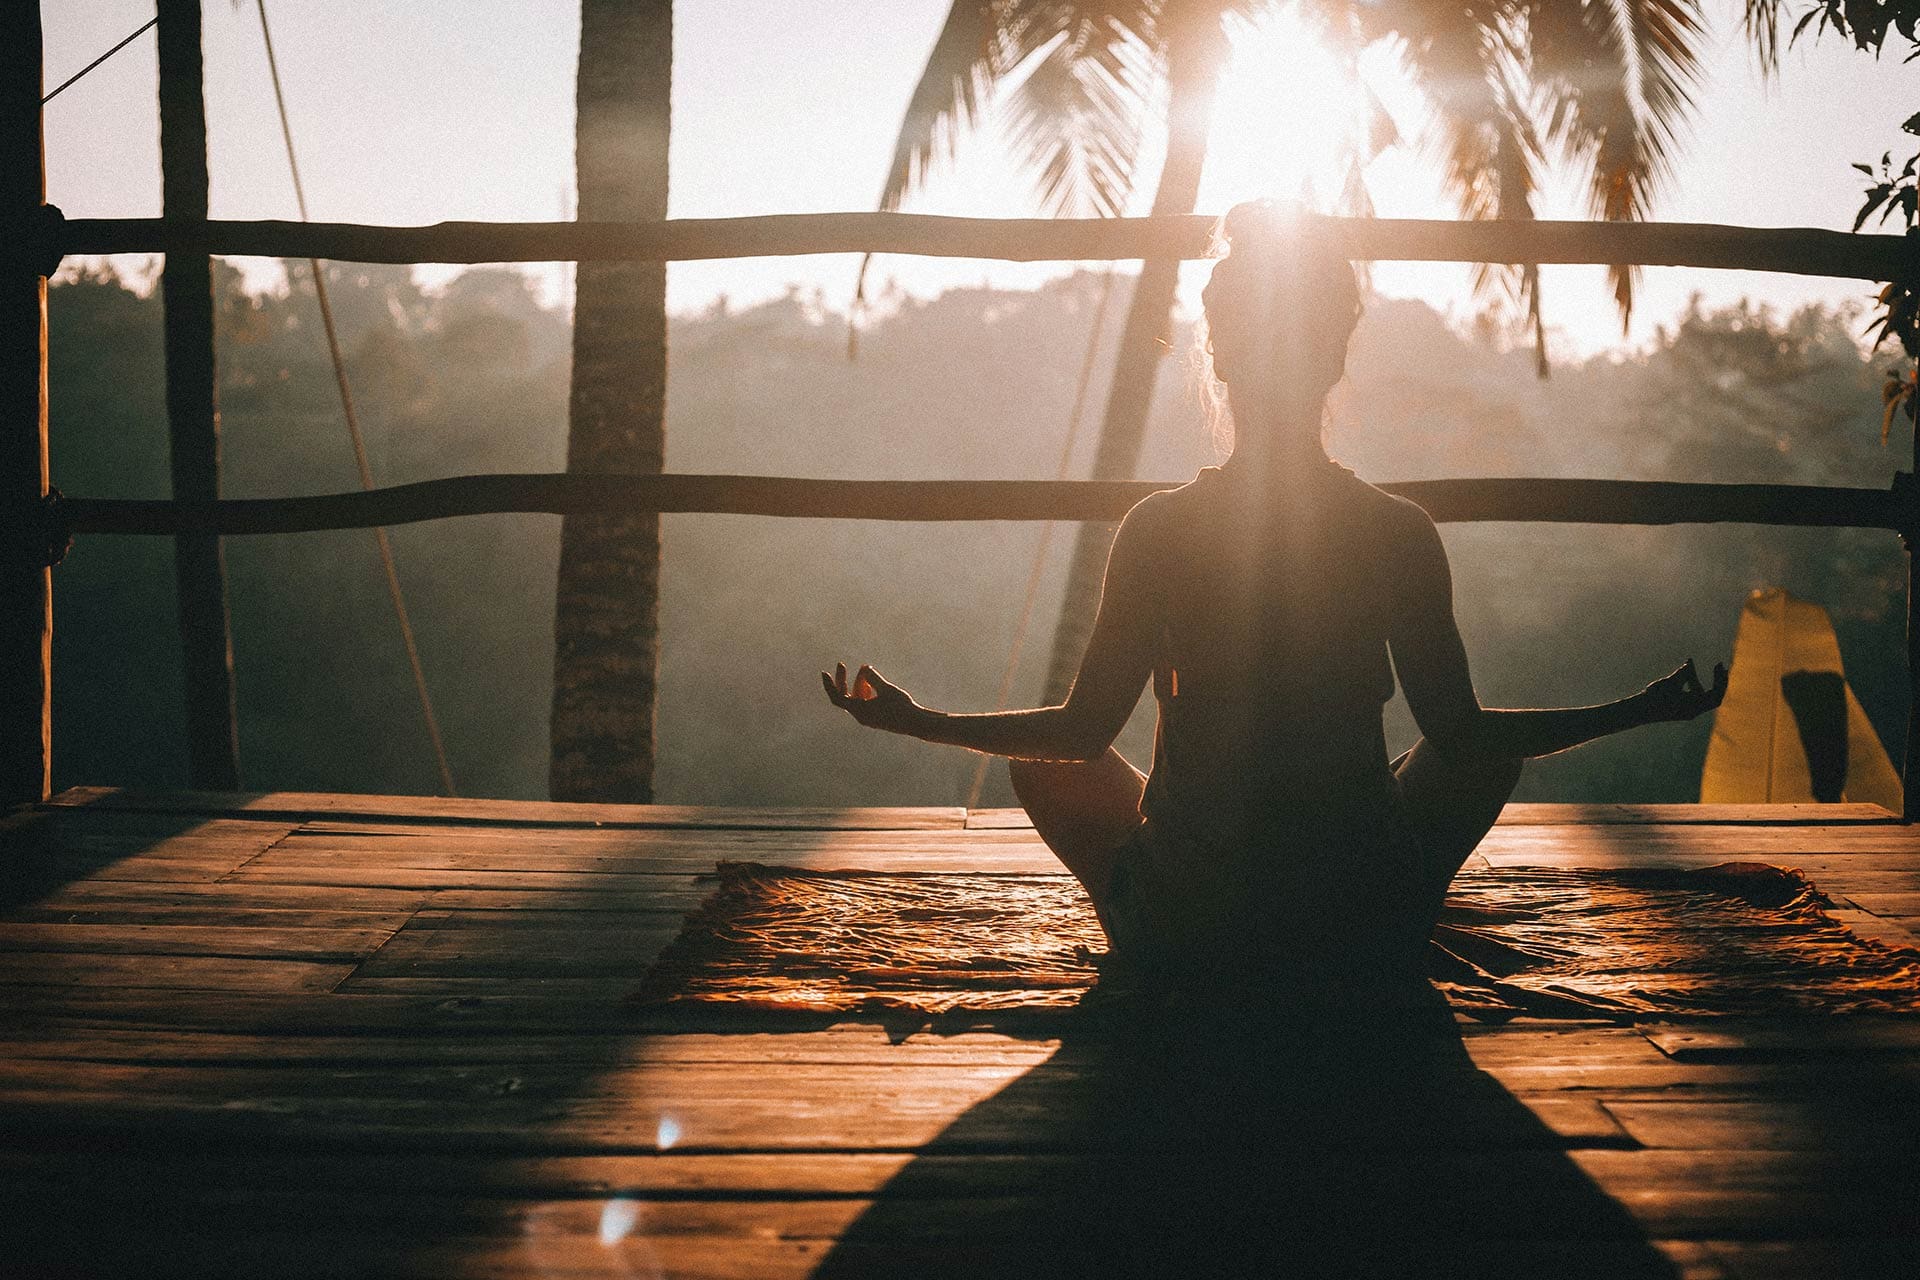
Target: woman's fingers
866, 686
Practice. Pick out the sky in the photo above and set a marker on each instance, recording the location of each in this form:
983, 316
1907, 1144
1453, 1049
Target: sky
407, 111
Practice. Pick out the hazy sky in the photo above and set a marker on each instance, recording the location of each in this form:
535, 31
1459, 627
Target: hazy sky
414, 112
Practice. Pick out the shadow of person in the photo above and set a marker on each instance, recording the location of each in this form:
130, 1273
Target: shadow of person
1249, 1141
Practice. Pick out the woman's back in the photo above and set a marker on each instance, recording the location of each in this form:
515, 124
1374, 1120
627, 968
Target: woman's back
1271, 612
1271, 813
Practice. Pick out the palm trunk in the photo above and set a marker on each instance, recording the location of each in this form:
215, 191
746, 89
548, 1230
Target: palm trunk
1192, 64
606, 615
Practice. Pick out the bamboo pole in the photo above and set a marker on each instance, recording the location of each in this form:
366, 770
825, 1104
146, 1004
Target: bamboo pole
1640, 502
26, 585
1795, 250
193, 413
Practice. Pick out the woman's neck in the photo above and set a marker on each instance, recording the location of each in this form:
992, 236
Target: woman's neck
1277, 431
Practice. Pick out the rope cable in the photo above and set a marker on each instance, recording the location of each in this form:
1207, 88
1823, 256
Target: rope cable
380, 538
1074, 417
74, 79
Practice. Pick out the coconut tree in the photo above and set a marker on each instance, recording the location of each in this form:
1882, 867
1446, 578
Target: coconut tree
1510, 85
606, 615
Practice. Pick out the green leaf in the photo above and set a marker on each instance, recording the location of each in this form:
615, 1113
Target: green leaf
1875, 198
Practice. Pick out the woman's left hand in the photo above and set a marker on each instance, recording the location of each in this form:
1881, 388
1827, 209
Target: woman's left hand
871, 700
1681, 696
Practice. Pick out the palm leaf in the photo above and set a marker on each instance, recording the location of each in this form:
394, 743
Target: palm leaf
1467, 63
1076, 120
1616, 80
947, 98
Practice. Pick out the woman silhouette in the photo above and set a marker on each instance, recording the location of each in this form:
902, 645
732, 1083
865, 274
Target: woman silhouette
1272, 835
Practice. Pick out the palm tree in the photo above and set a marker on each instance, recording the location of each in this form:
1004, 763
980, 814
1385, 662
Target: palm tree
1509, 86
606, 613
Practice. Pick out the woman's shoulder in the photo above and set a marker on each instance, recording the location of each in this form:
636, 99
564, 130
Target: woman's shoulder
1163, 505
1401, 515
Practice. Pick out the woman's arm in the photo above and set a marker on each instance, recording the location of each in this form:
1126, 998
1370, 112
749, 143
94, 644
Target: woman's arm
1432, 665
1116, 665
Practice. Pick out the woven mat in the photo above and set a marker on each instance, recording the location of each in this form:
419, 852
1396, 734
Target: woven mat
1741, 938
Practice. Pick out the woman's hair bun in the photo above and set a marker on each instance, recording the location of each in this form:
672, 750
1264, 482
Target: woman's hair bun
1278, 246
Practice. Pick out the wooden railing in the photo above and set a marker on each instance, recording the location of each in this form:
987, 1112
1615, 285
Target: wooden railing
33, 524
1561, 501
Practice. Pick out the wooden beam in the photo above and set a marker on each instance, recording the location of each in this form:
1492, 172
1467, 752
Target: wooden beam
1796, 250
1558, 501
26, 595
193, 413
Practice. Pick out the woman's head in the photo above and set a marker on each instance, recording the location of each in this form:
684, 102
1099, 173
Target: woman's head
1280, 308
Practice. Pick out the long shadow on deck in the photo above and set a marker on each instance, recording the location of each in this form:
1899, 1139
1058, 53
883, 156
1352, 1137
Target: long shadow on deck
1216, 1146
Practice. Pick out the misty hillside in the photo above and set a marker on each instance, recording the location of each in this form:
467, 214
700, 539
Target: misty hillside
975, 383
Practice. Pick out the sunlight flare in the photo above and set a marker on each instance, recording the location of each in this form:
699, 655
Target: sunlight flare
1289, 116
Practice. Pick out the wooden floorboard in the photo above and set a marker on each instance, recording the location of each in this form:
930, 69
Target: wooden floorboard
305, 1034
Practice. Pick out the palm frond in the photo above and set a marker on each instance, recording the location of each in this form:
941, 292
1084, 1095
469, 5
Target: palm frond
1465, 61
1760, 22
1076, 120
948, 97
1616, 80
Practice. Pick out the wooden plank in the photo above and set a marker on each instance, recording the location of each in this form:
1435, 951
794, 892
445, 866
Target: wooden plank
219, 914
185, 972
303, 806
649, 893
1538, 1196
1866, 1254
1534, 814
1893, 905
542, 1245
401, 1043
1522, 814
629, 876
1763, 1039
502, 1010
84, 896
1626, 844
331, 945
1776, 1124
502, 945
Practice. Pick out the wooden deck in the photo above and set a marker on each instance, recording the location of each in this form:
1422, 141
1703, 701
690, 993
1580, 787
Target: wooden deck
345, 1035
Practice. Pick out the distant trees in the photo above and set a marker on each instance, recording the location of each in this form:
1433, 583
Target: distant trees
474, 377
606, 618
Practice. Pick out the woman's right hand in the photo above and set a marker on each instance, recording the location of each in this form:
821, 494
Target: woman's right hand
871, 700
1681, 696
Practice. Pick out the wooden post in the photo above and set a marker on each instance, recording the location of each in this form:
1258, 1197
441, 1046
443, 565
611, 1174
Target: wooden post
26, 585
193, 414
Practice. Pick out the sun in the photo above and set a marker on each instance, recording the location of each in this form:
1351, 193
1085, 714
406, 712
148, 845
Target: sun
1288, 117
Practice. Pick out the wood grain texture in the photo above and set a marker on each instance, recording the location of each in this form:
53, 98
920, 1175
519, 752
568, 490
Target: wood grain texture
352, 1035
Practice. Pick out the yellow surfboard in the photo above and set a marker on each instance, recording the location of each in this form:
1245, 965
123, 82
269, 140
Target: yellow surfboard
1790, 729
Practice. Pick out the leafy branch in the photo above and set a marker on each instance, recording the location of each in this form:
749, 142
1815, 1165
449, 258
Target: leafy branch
1867, 23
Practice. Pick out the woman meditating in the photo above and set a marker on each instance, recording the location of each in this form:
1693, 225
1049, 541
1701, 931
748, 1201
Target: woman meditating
1265, 599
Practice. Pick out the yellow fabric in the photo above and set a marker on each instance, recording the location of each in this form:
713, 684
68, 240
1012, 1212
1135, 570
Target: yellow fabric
1756, 756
